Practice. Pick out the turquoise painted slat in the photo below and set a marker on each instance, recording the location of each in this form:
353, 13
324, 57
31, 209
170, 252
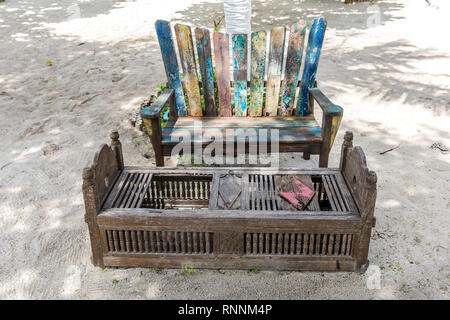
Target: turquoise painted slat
170, 63
293, 62
257, 66
239, 42
206, 69
315, 42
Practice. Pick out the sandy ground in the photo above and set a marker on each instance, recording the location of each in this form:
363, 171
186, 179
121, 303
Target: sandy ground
391, 78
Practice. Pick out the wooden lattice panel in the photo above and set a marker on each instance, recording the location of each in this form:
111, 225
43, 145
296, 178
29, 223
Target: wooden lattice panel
298, 244
142, 241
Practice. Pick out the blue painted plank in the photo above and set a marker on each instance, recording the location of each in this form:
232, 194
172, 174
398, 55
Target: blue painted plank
315, 42
239, 42
170, 63
293, 62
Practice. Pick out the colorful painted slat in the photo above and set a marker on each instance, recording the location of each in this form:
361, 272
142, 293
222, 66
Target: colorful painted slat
187, 58
206, 69
293, 62
315, 43
274, 67
239, 45
170, 63
222, 58
257, 67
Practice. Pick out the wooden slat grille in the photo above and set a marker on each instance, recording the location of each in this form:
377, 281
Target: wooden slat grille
137, 190
308, 244
168, 191
334, 194
263, 194
132, 189
142, 241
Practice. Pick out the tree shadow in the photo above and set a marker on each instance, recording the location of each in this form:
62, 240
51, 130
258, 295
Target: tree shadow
267, 14
43, 230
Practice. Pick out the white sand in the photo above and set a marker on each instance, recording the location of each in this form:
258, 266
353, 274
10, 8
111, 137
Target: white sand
392, 80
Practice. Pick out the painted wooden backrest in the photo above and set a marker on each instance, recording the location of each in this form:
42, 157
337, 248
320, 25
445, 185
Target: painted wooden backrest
202, 97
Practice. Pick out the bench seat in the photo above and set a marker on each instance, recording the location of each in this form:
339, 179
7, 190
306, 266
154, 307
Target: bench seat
291, 129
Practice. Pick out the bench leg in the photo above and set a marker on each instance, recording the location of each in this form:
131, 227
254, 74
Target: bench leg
153, 128
306, 155
159, 160
323, 158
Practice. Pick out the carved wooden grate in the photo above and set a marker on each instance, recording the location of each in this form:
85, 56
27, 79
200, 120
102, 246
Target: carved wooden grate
263, 193
140, 241
175, 191
131, 190
264, 189
329, 193
178, 191
298, 244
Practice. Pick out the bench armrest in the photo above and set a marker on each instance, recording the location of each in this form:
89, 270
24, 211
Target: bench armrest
325, 104
331, 120
154, 110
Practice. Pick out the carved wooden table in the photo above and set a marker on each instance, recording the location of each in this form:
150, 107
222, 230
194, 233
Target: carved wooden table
228, 218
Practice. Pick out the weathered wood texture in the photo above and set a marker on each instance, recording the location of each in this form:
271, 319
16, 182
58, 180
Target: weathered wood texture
222, 55
187, 59
222, 218
239, 47
170, 63
206, 69
257, 68
274, 67
248, 94
315, 42
293, 62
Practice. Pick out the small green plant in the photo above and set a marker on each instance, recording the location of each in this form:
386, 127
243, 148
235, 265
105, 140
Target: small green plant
185, 270
217, 26
363, 134
155, 269
115, 281
254, 271
106, 268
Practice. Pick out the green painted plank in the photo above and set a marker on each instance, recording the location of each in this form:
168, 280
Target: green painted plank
257, 69
187, 58
206, 69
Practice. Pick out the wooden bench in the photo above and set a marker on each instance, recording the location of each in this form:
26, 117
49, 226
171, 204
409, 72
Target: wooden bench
228, 218
270, 103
